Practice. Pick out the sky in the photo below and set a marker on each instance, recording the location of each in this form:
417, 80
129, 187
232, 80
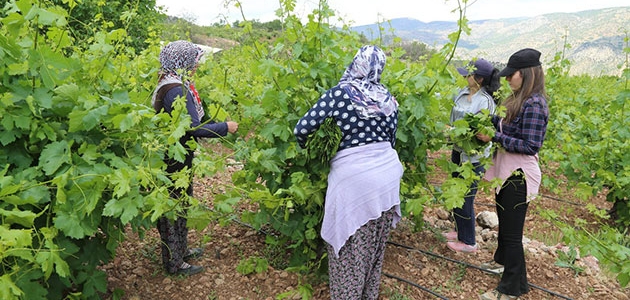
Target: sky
362, 12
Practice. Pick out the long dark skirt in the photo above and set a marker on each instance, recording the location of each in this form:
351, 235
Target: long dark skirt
356, 273
174, 233
174, 237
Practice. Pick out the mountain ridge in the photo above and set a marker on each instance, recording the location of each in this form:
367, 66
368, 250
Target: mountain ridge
595, 38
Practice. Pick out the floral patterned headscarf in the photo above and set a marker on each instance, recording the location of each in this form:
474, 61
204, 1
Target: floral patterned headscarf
178, 59
364, 76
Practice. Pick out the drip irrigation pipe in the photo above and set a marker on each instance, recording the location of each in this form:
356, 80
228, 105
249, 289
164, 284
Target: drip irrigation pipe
542, 195
415, 285
562, 200
474, 267
434, 255
383, 273
430, 254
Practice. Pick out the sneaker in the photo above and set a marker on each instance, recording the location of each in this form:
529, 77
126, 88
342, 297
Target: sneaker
461, 247
193, 253
496, 295
493, 266
188, 269
450, 236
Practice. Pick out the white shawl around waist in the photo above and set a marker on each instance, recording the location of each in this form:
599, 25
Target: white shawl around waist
363, 183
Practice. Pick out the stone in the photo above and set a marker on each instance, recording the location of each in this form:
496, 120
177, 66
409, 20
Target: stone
443, 214
487, 219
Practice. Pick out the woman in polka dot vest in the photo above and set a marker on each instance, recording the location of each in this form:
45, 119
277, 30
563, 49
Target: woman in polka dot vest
362, 199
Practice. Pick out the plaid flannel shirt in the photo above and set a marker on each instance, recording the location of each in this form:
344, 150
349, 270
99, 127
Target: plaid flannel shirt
526, 133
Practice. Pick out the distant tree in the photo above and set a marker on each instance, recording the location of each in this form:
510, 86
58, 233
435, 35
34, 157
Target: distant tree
178, 28
416, 51
275, 25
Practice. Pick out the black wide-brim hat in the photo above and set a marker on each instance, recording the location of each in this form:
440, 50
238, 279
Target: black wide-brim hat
521, 59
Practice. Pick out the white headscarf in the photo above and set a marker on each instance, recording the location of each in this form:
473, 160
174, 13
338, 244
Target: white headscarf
362, 79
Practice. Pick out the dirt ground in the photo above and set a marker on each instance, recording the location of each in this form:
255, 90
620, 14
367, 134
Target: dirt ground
418, 265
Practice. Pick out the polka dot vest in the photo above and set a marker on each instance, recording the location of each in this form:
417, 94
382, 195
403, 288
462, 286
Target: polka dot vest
336, 103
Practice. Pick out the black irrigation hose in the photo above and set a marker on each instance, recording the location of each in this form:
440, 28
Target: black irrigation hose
474, 267
415, 285
384, 274
442, 257
562, 200
545, 196
434, 255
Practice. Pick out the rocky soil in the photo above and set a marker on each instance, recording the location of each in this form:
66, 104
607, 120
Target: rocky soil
418, 265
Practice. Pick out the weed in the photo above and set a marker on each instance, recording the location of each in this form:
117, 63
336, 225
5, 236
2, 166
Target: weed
302, 291
454, 281
252, 265
394, 295
206, 238
567, 260
150, 251
277, 255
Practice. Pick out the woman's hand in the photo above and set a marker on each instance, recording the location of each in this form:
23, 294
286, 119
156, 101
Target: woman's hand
232, 126
483, 137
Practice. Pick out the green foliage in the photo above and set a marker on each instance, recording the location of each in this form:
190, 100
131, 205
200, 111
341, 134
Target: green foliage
589, 134
136, 18
596, 151
464, 131
303, 291
82, 153
322, 146
608, 245
284, 80
252, 265
416, 51
567, 260
275, 83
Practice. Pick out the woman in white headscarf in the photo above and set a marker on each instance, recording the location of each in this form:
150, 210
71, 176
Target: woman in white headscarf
362, 199
179, 60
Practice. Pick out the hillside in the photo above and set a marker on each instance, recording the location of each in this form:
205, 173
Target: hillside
596, 37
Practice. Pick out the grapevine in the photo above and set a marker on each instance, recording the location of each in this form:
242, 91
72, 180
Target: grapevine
82, 151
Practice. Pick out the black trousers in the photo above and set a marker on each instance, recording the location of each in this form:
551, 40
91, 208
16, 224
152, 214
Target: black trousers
511, 205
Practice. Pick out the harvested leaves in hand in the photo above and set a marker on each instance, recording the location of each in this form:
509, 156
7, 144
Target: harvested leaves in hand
463, 133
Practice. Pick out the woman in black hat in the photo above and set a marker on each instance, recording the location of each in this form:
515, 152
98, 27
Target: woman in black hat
520, 135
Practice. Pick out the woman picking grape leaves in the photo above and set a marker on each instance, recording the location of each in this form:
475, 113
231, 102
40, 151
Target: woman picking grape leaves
483, 81
362, 199
179, 60
520, 136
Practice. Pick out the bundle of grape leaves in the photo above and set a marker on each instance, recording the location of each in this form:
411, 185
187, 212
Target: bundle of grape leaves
463, 133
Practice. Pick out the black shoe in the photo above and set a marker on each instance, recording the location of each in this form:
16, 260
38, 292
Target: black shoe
193, 253
189, 270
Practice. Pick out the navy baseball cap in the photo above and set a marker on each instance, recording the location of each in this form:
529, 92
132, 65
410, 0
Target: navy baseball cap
479, 67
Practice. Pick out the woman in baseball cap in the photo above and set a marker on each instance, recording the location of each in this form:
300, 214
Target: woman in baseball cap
520, 135
483, 80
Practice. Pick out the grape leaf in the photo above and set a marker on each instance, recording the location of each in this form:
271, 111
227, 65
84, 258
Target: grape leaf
54, 155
